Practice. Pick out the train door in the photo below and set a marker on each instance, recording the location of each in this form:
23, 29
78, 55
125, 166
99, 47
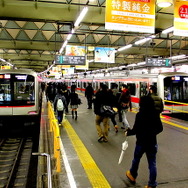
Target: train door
24, 94
176, 89
5, 94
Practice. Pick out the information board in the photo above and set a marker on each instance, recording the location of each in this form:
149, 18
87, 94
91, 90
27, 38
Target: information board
158, 62
70, 60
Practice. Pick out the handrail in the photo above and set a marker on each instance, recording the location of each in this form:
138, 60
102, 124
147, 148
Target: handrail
56, 135
48, 167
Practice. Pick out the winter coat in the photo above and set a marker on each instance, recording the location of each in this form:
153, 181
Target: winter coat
102, 98
158, 102
125, 99
73, 98
56, 99
89, 92
147, 124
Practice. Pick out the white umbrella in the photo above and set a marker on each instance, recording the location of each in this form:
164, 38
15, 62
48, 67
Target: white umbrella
124, 147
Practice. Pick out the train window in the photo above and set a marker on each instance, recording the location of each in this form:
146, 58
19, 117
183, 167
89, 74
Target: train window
132, 88
24, 89
84, 85
5, 92
143, 89
176, 88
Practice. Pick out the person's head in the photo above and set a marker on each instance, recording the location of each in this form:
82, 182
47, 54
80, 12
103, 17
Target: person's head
104, 87
146, 104
124, 87
114, 86
152, 89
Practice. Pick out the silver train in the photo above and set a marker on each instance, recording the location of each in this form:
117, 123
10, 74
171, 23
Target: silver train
172, 87
20, 98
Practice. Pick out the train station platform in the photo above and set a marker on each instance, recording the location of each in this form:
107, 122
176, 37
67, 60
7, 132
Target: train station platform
86, 163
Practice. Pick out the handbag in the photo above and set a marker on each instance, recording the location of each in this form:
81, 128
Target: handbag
107, 111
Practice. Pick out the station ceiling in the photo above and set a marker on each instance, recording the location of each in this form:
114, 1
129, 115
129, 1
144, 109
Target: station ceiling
32, 32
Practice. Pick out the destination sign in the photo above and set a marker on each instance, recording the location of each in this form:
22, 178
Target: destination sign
70, 60
158, 62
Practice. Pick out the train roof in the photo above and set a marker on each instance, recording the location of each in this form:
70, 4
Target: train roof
18, 71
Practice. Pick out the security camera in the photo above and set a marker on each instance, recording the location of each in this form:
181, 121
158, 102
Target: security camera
152, 43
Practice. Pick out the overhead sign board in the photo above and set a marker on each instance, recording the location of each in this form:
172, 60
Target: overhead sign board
158, 62
181, 18
70, 60
130, 15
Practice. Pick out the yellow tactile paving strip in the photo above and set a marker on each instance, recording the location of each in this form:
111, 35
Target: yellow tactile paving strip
94, 174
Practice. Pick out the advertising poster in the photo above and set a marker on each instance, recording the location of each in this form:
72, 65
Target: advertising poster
130, 15
104, 55
75, 50
181, 18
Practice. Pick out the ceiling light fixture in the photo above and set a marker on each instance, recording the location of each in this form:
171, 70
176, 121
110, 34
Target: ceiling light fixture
125, 47
170, 29
81, 16
164, 3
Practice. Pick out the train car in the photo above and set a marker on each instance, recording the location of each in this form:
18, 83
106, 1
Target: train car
20, 98
172, 87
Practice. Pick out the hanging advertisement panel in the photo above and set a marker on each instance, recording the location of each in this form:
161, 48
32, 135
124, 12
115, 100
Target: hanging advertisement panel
104, 55
75, 50
130, 15
181, 18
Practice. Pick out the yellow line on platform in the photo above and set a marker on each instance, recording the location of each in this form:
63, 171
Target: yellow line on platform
175, 125
94, 174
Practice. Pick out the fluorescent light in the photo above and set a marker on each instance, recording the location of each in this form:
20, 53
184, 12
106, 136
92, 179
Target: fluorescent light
63, 46
2, 60
141, 63
90, 61
125, 47
69, 36
81, 16
131, 65
178, 57
142, 41
170, 29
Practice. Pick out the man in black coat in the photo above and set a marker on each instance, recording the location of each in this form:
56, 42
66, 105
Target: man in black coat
89, 92
102, 97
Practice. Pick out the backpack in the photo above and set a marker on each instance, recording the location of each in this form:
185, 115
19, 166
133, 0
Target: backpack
60, 105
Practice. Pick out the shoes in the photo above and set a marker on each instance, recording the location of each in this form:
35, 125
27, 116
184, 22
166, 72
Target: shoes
116, 128
147, 186
130, 177
100, 139
76, 117
105, 139
59, 124
122, 127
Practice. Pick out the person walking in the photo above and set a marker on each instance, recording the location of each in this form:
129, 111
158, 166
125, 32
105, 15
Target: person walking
114, 91
60, 105
74, 102
146, 127
125, 104
89, 93
157, 100
102, 97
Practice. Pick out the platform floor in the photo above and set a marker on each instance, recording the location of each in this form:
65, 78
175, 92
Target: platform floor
89, 163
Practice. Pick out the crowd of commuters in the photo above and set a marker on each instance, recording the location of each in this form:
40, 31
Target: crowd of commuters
146, 127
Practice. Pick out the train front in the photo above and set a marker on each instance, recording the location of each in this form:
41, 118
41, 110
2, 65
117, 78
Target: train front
19, 98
